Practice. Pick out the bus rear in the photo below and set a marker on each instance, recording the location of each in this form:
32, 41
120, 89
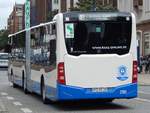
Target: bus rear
97, 56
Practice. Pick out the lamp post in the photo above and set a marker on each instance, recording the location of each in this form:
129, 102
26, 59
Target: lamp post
27, 80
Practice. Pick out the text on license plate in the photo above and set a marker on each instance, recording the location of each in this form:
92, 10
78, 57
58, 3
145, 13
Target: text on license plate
99, 89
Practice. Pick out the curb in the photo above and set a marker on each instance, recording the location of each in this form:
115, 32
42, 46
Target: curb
144, 84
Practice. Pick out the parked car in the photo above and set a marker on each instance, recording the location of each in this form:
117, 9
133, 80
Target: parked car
4, 60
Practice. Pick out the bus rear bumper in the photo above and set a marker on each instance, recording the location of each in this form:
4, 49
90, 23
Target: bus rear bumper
77, 93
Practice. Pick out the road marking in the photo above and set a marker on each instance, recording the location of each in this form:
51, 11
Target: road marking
17, 103
10, 98
141, 99
4, 94
142, 92
26, 110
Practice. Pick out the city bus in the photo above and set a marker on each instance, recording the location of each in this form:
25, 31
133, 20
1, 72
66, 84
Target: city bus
78, 56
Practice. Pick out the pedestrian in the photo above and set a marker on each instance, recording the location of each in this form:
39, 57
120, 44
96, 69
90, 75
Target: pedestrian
147, 64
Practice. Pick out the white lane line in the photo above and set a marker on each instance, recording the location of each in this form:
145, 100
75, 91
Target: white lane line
4, 94
17, 103
141, 99
26, 110
10, 98
142, 92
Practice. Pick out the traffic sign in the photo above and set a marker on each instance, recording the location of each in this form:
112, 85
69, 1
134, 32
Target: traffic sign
27, 14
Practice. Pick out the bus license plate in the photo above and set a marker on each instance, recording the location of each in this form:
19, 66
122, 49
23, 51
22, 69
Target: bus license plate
99, 89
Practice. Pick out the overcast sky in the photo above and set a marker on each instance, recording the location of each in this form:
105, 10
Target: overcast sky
6, 7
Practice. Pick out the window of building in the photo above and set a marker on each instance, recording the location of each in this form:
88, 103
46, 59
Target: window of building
63, 5
147, 40
55, 1
108, 1
137, 4
147, 6
100, 2
140, 2
71, 3
147, 45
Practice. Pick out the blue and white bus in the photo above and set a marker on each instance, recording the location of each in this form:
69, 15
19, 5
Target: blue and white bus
78, 56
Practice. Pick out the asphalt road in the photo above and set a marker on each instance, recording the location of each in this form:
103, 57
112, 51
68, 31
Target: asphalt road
15, 101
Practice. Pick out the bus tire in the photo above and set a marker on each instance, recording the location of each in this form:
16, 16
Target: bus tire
43, 92
13, 79
22, 79
25, 86
11, 75
108, 100
14, 85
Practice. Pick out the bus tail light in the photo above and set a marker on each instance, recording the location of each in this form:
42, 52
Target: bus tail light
61, 73
135, 72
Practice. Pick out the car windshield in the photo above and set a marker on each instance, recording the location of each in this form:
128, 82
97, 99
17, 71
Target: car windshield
97, 37
4, 56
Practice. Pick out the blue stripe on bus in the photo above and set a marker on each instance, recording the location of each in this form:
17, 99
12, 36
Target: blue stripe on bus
64, 92
18, 82
50, 91
36, 87
76, 93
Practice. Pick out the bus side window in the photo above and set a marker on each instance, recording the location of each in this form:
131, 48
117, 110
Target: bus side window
53, 29
52, 47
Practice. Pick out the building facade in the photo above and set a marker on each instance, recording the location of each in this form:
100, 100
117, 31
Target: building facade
141, 9
16, 19
44, 10
39, 11
63, 5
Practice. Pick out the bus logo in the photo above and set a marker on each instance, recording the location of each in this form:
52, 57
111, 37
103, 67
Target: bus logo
122, 73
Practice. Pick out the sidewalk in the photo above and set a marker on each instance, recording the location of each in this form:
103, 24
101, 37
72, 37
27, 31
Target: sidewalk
144, 79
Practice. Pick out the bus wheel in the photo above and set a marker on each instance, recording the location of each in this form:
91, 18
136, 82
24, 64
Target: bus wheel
22, 79
13, 81
43, 93
14, 85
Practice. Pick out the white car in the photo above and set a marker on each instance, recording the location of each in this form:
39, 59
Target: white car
4, 60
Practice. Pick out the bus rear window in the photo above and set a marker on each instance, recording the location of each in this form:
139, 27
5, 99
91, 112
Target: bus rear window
94, 37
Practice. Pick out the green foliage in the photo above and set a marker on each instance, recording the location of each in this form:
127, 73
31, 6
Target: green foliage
51, 14
87, 5
84, 5
3, 38
106, 8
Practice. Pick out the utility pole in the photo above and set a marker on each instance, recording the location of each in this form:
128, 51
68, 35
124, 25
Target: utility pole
27, 80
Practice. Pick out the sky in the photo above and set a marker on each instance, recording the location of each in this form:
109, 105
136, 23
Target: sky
6, 7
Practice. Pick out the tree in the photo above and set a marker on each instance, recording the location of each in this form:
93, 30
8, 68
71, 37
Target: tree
87, 5
51, 14
84, 5
3, 39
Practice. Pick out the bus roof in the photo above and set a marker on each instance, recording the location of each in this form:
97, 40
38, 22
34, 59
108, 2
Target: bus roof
33, 27
74, 13
100, 12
